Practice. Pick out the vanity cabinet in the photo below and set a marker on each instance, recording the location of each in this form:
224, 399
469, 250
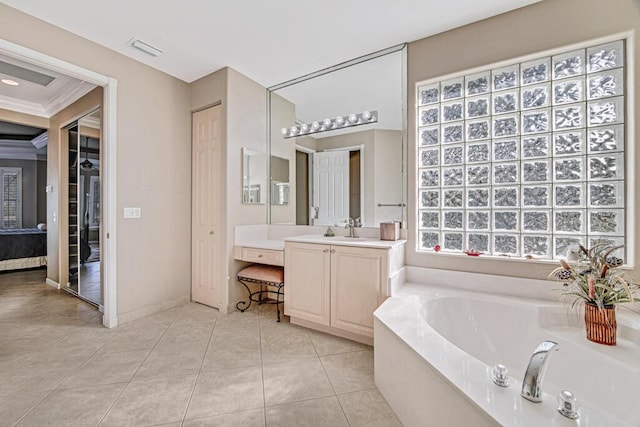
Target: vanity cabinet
336, 288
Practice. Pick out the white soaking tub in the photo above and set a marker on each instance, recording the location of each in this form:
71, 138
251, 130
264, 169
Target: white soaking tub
435, 348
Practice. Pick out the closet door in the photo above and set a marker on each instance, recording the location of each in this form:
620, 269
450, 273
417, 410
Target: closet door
206, 206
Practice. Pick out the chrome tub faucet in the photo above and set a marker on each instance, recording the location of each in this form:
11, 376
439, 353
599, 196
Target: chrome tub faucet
532, 382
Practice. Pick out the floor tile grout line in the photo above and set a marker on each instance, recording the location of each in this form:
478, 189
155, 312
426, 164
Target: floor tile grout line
54, 389
195, 383
134, 374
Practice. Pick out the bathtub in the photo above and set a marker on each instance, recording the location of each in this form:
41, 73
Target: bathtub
435, 348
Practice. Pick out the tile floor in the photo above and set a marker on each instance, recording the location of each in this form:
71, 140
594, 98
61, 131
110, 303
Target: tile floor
187, 366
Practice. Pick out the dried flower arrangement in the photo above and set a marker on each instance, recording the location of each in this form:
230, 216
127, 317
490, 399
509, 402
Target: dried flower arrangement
594, 278
595, 281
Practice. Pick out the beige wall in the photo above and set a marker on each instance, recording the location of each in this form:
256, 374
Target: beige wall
545, 25
283, 114
153, 161
244, 125
30, 190
41, 167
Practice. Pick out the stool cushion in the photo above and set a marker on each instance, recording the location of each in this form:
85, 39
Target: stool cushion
263, 273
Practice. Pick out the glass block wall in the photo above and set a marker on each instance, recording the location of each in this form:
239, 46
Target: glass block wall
525, 159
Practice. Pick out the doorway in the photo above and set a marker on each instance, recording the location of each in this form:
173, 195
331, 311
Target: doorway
108, 170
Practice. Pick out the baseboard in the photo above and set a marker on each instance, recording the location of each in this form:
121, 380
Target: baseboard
109, 322
52, 283
226, 308
142, 312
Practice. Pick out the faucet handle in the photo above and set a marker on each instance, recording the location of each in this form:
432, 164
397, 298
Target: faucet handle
567, 405
501, 375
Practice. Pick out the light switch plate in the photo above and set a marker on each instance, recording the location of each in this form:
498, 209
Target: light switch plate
132, 212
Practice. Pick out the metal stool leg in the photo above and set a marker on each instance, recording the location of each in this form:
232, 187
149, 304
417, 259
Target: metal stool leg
278, 301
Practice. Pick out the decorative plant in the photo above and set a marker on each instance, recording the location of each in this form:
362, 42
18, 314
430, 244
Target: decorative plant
595, 278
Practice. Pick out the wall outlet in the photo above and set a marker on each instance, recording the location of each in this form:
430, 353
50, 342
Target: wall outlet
49, 189
132, 212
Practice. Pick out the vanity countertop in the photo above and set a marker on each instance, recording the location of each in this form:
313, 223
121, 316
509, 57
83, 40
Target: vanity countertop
366, 242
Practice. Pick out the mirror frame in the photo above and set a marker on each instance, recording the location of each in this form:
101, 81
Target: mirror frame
403, 107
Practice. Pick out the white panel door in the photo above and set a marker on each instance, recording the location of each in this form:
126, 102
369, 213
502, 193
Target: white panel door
206, 206
331, 187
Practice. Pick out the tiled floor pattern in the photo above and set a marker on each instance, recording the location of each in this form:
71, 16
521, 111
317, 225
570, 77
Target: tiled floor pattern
187, 366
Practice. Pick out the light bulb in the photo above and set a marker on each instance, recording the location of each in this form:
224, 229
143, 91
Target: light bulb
352, 118
315, 126
293, 130
327, 123
304, 128
339, 120
366, 115
284, 131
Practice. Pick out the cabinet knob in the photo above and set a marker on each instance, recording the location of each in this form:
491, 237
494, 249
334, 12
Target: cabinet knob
333, 251
211, 233
325, 251
260, 256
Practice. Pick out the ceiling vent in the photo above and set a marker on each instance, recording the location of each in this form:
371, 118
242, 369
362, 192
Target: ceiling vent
145, 47
25, 74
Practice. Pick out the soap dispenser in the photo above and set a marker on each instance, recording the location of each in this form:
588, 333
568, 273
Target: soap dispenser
329, 232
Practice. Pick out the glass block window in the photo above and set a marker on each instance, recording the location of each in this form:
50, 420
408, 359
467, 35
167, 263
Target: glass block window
525, 159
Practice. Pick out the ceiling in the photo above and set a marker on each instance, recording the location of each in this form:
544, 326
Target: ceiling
268, 41
32, 97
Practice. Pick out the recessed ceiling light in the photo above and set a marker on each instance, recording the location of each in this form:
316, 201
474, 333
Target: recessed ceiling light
10, 82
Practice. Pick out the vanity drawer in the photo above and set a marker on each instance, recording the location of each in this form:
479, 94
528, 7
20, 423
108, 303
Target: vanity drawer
263, 256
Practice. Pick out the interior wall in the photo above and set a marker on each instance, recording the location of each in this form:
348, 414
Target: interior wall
29, 189
388, 176
244, 115
545, 25
246, 127
283, 113
152, 119
41, 166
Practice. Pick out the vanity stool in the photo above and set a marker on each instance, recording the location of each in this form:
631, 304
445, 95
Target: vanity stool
269, 276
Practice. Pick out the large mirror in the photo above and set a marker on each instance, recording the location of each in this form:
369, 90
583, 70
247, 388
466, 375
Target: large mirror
339, 135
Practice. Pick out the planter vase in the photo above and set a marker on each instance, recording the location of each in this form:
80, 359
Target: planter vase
600, 323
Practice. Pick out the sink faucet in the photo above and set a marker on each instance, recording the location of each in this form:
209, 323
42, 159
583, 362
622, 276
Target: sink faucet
532, 382
351, 225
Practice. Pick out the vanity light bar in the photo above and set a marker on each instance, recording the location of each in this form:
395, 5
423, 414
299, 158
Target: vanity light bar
340, 122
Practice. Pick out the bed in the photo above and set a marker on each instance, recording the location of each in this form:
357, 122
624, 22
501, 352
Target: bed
22, 248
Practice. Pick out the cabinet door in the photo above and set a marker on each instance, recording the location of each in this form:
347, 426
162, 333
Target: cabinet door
356, 279
307, 275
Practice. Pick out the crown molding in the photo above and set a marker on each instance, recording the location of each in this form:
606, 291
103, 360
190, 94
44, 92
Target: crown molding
67, 95
24, 107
